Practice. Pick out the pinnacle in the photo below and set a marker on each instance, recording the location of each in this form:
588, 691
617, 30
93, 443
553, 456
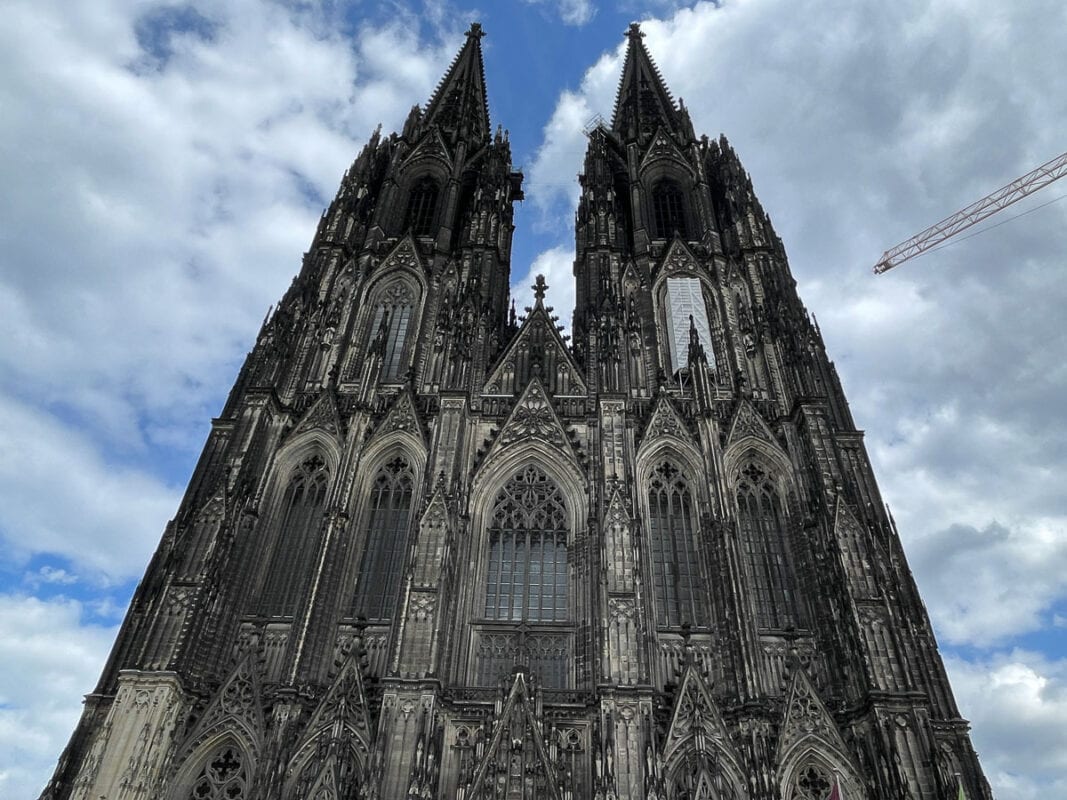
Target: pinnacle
459, 105
643, 102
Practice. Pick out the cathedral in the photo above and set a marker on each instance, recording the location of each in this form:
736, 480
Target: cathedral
435, 549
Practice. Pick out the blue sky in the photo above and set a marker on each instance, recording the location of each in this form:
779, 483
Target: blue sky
163, 167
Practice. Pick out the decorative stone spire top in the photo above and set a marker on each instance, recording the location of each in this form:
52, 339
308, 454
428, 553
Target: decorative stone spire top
459, 105
643, 102
539, 288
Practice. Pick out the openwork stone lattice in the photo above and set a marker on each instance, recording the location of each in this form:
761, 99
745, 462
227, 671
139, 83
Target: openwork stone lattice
224, 777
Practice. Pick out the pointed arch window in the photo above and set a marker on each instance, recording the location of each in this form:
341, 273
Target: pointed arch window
668, 210
384, 554
224, 776
763, 542
389, 327
299, 536
526, 578
422, 205
672, 535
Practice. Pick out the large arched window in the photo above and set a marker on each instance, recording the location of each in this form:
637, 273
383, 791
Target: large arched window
526, 579
389, 327
668, 210
763, 540
299, 535
422, 204
381, 567
224, 776
672, 529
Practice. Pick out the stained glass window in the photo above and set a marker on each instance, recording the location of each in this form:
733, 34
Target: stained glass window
668, 210
392, 316
763, 541
527, 570
385, 551
672, 528
421, 207
299, 535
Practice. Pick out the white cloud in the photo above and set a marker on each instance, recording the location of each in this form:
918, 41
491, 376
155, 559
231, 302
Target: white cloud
862, 123
557, 266
58, 496
1017, 704
47, 657
571, 12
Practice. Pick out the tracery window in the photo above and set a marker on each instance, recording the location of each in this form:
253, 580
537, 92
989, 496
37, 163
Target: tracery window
811, 783
422, 203
382, 564
668, 210
223, 777
299, 535
763, 541
389, 327
672, 533
526, 577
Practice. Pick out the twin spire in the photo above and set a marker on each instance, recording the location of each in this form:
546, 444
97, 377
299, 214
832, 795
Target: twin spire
459, 105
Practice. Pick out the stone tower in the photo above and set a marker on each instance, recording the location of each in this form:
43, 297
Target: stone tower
432, 551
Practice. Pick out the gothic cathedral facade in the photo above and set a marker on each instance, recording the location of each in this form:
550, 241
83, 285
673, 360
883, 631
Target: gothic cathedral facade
433, 550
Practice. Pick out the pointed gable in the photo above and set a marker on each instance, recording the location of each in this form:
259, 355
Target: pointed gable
807, 722
402, 416
748, 423
533, 418
431, 146
666, 421
516, 729
322, 416
459, 106
678, 260
405, 255
236, 708
643, 102
664, 148
697, 724
344, 707
537, 351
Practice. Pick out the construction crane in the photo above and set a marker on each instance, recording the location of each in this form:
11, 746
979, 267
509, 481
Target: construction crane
973, 214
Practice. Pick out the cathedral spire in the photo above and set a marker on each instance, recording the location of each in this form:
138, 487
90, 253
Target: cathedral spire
459, 104
643, 102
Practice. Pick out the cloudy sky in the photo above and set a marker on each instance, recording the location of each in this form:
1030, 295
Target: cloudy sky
163, 166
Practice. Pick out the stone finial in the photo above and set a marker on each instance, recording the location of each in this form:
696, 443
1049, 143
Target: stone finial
634, 32
539, 288
475, 30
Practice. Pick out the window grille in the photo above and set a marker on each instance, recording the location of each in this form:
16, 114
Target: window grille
672, 534
224, 777
422, 204
811, 783
392, 316
763, 541
527, 570
668, 210
299, 536
385, 551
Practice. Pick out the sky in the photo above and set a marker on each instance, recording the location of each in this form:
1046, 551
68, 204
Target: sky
163, 167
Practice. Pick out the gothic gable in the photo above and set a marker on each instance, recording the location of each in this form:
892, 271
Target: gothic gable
404, 255
663, 148
431, 146
748, 423
536, 351
402, 416
343, 708
236, 709
666, 422
516, 762
322, 416
696, 723
533, 419
807, 724
679, 260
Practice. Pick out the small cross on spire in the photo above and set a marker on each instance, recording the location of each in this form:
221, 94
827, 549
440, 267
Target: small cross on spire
539, 288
